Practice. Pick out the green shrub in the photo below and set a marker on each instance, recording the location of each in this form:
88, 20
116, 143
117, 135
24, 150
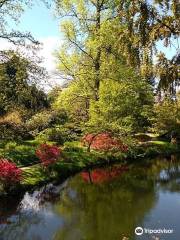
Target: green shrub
152, 151
22, 155
12, 126
13, 131
51, 134
59, 134
73, 147
38, 122
166, 116
44, 120
10, 146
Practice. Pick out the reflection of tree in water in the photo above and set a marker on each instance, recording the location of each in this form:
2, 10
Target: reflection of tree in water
8, 207
107, 206
169, 177
100, 175
28, 214
108, 210
19, 226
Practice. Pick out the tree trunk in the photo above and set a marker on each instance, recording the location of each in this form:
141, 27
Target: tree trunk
97, 62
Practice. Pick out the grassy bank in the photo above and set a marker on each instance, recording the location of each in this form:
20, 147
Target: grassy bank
74, 159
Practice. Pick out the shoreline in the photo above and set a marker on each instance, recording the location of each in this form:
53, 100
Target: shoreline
35, 176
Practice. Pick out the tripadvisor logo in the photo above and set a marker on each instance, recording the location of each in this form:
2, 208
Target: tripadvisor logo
139, 231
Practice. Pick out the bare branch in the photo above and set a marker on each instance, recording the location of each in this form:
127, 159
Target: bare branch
80, 48
18, 38
2, 2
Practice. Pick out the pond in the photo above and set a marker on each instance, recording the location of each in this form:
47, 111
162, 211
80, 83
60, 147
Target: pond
103, 204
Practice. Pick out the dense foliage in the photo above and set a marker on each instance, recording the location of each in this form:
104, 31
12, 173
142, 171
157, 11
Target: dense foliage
108, 59
18, 79
167, 116
103, 142
48, 154
10, 174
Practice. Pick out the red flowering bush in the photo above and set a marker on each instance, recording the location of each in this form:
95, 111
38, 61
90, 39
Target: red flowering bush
104, 142
10, 174
48, 154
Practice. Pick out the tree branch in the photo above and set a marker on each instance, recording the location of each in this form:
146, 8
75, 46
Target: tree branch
2, 2
80, 48
18, 38
161, 22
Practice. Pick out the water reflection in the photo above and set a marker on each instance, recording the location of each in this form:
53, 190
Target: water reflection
33, 217
103, 204
105, 211
101, 175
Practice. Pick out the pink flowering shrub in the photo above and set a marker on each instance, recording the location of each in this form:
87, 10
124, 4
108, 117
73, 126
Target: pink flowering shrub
103, 142
10, 174
48, 154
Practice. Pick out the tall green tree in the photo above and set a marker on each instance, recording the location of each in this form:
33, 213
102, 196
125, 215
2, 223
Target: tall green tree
130, 30
146, 24
85, 40
124, 106
18, 83
98, 74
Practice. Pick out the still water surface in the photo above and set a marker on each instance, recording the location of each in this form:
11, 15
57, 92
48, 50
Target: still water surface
104, 204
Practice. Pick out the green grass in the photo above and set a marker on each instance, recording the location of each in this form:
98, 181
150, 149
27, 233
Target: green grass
74, 158
70, 163
33, 175
21, 153
160, 143
153, 148
36, 143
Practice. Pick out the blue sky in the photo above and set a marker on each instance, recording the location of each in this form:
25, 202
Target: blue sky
39, 20
44, 27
